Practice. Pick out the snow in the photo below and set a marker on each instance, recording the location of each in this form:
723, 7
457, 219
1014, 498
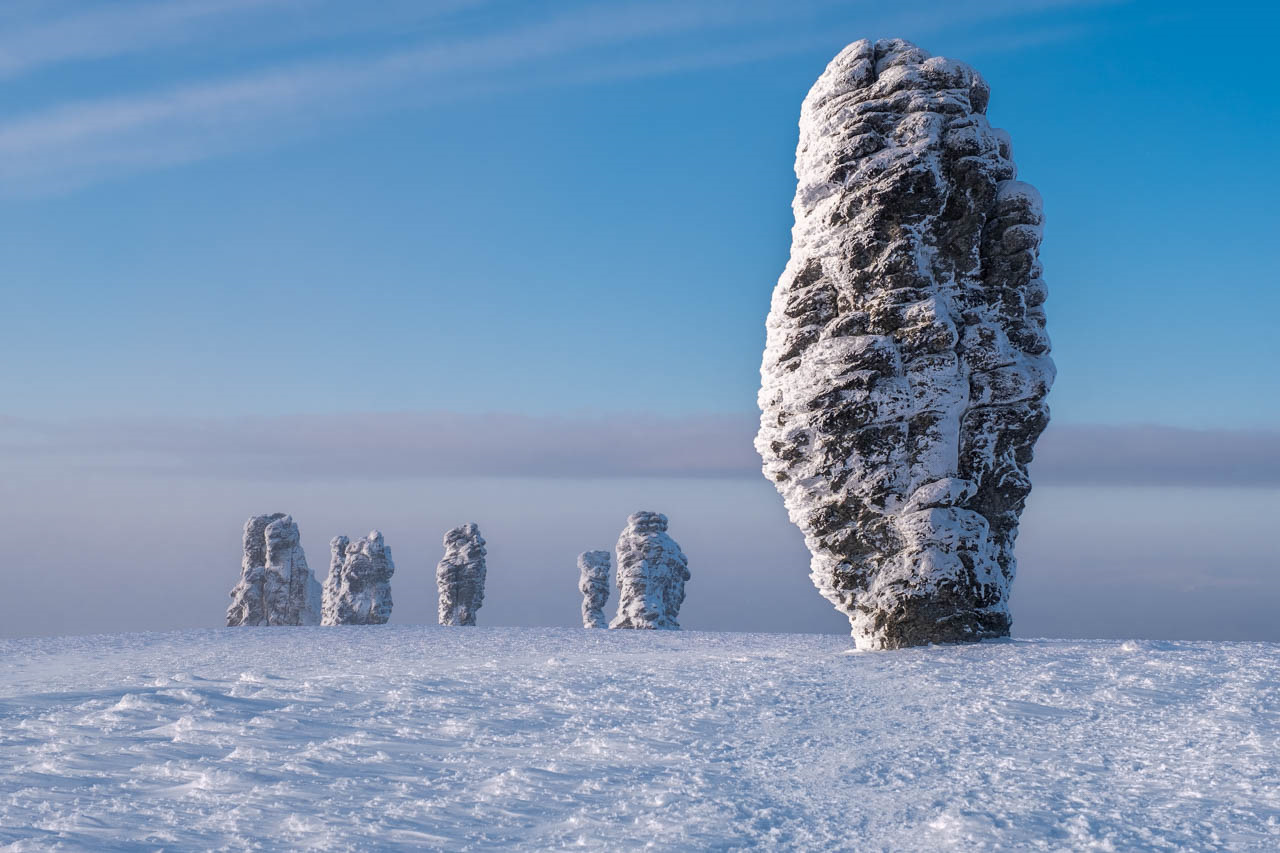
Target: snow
374, 736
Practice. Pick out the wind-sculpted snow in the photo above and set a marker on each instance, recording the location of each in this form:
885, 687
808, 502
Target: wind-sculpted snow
410, 737
460, 576
276, 586
358, 589
593, 583
652, 571
907, 364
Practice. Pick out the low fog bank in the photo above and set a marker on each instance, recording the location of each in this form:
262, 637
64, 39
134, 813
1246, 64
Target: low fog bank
105, 551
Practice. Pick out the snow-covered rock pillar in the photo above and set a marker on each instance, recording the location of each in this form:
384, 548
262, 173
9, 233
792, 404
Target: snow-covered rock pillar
276, 586
652, 571
906, 365
593, 583
358, 589
460, 576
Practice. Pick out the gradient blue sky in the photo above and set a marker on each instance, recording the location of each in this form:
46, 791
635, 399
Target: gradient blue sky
250, 246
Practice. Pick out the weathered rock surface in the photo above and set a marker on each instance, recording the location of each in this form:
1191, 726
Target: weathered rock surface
906, 366
276, 586
652, 571
593, 583
358, 589
460, 576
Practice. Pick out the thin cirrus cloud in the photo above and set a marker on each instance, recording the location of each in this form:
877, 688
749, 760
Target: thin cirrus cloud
418, 445
389, 56
45, 35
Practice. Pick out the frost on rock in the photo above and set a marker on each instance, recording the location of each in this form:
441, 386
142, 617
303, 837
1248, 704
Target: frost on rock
276, 586
652, 572
460, 576
593, 583
906, 365
358, 589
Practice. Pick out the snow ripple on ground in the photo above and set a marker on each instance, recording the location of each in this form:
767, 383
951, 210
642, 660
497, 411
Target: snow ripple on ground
384, 737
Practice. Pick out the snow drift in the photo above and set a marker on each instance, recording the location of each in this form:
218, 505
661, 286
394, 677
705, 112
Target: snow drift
410, 737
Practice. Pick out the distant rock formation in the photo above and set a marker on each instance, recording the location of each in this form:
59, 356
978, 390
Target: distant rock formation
460, 576
358, 589
593, 583
276, 586
907, 364
337, 555
652, 571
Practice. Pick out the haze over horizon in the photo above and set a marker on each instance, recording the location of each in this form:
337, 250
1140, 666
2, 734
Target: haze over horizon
480, 261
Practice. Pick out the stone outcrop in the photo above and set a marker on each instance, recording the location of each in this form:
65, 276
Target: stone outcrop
652, 571
906, 366
276, 586
593, 583
358, 589
460, 576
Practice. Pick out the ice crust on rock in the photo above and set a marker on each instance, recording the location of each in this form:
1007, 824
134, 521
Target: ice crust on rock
358, 589
652, 571
460, 575
906, 365
276, 586
593, 583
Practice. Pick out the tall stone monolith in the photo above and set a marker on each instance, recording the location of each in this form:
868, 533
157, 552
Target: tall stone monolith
276, 586
906, 364
593, 583
652, 571
358, 589
460, 576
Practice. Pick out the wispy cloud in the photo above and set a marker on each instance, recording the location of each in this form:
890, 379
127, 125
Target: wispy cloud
75, 141
417, 445
412, 445
48, 35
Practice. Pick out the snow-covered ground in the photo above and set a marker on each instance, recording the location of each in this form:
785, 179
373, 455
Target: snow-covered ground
476, 738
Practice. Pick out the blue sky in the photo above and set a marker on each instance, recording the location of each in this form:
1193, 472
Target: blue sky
228, 224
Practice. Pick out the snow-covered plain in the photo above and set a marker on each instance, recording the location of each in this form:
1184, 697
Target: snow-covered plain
479, 738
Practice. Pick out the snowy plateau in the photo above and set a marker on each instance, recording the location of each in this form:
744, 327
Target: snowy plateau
389, 737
